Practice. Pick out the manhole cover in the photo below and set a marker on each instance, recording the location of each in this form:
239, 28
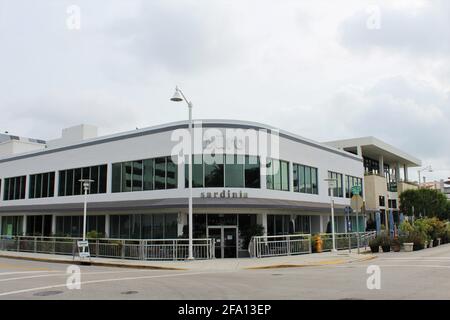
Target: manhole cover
47, 293
351, 299
277, 274
129, 292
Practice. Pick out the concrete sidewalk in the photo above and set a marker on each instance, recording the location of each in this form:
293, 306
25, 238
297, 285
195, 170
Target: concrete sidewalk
306, 260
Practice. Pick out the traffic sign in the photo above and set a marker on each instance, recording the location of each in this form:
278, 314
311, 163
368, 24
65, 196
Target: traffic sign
357, 202
356, 190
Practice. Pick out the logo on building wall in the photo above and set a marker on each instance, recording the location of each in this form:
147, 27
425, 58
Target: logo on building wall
224, 194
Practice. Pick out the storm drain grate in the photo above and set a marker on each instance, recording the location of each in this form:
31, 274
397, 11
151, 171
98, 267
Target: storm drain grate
129, 292
47, 293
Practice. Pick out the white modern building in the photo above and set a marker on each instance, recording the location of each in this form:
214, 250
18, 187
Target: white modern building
140, 186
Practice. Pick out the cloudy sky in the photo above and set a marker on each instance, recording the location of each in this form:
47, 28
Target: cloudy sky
321, 69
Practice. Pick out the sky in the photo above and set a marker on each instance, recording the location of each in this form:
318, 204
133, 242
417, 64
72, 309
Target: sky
324, 70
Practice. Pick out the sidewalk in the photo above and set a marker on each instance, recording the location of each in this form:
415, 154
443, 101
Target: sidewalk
306, 260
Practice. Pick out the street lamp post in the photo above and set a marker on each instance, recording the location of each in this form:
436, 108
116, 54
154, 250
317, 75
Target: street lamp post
86, 186
177, 97
331, 184
427, 168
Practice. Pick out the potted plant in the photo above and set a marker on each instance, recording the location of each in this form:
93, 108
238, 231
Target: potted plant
386, 243
374, 244
395, 245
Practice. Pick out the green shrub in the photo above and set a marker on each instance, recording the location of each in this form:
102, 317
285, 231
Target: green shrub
94, 234
375, 242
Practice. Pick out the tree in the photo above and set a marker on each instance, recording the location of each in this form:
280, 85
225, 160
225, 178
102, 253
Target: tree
426, 202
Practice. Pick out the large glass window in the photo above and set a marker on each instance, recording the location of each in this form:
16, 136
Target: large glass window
277, 177
214, 171
234, 171
72, 226
148, 174
69, 184
237, 172
39, 225
305, 179
42, 185
337, 190
14, 188
278, 224
351, 182
12, 225
144, 226
252, 172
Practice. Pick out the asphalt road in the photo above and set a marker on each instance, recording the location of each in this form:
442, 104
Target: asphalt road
418, 275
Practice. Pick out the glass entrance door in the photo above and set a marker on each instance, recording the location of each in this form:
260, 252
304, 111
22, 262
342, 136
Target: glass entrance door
225, 240
229, 242
215, 233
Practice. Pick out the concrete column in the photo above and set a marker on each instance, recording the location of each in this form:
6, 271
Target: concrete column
359, 151
405, 172
181, 177
53, 224
182, 221
381, 165
109, 178
262, 220
321, 223
107, 226
24, 225
55, 194
291, 176
397, 172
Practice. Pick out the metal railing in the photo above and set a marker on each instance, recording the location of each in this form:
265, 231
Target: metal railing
346, 240
270, 246
147, 249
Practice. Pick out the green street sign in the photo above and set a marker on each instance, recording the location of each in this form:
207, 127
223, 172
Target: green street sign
356, 190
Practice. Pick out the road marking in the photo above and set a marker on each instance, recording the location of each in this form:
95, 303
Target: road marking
13, 266
416, 258
100, 281
65, 274
24, 272
414, 266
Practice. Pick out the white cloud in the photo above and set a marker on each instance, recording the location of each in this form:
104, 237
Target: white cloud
310, 67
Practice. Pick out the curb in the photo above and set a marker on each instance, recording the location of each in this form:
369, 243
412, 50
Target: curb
93, 263
319, 264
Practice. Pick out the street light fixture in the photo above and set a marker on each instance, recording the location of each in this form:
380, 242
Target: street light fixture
86, 186
427, 169
331, 186
177, 97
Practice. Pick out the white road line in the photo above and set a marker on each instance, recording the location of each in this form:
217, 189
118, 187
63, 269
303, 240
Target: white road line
414, 258
100, 281
65, 274
24, 272
414, 266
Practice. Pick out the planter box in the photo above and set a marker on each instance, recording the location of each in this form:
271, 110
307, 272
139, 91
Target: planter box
386, 248
375, 249
408, 247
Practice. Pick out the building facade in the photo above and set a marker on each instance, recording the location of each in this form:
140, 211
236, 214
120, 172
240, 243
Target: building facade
385, 174
139, 188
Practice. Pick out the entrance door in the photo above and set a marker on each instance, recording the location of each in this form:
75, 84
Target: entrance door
225, 240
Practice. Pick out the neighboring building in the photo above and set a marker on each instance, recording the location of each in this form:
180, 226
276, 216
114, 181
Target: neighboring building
441, 185
140, 192
385, 173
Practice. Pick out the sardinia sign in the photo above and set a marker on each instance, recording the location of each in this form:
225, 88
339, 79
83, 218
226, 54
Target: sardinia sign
225, 194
